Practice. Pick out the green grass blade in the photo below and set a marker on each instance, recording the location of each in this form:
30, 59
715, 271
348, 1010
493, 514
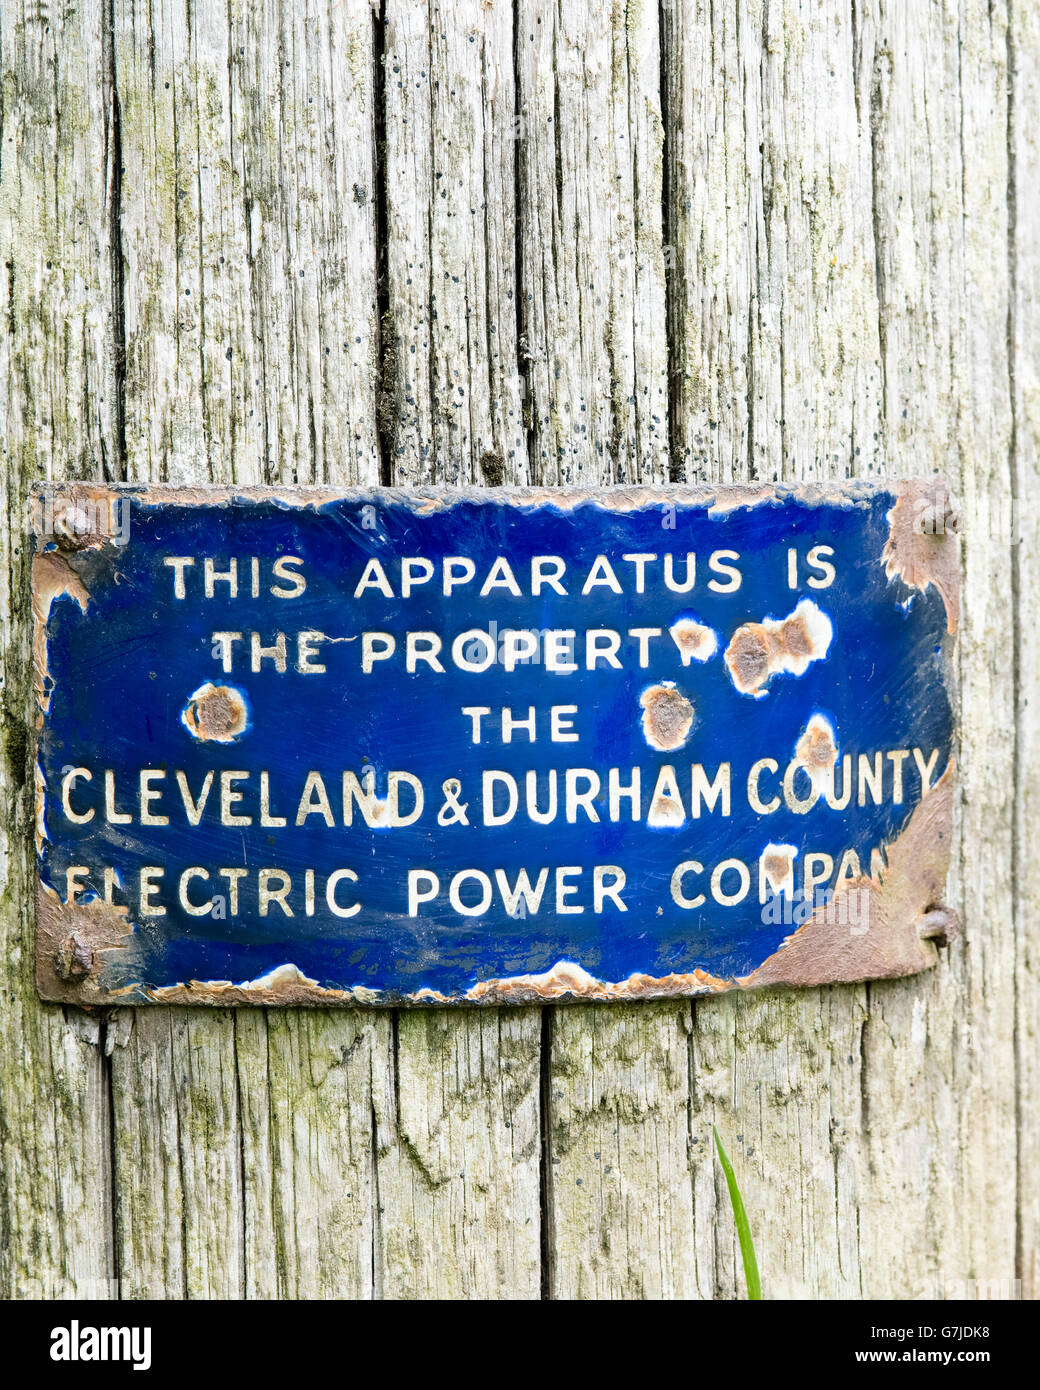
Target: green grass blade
747, 1245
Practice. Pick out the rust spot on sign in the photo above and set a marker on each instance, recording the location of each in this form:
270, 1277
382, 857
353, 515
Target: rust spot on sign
568, 980
284, 986
72, 941
759, 651
53, 576
73, 958
665, 811
215, 713
778, 867
667, 716
817, 751
695, 641
922, 543
871, 929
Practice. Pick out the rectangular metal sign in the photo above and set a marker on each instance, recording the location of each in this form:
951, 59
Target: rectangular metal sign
314, 747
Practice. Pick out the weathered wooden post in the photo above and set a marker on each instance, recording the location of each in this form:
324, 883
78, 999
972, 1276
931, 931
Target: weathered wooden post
480, 244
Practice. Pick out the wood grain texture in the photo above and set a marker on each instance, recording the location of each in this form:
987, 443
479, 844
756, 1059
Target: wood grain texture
593, 331
58, 403
1024, 527
452, 391
774, 318
247, 218
458, 1144
945, 308
619, 1185
307, 1084
486, 242
178, 1176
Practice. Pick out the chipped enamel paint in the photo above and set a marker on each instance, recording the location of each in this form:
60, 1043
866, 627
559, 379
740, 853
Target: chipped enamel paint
777, 864
634, 848
667, 717
695, 641
759, 651
216, 712
817, 752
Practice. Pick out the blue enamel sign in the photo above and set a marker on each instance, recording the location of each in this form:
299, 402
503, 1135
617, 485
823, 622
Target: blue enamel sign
317, 747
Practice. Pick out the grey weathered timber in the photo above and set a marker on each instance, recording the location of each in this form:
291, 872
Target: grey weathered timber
592, 321
59, 416
1023, 327
479, 243
452, 403
247, 208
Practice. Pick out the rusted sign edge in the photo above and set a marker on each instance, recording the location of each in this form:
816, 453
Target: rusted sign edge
906, 893
718, 499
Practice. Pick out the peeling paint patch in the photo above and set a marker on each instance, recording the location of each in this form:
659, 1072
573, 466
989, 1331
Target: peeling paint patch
667, 716
881, 938
569, 979
696, 641
817, 752
283, 986
759, 651
738, 496
777, 863
53, 577
281, 977
40, 817
287, 986
922, 547
73, 944
666, 812
73, 958
215, 713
